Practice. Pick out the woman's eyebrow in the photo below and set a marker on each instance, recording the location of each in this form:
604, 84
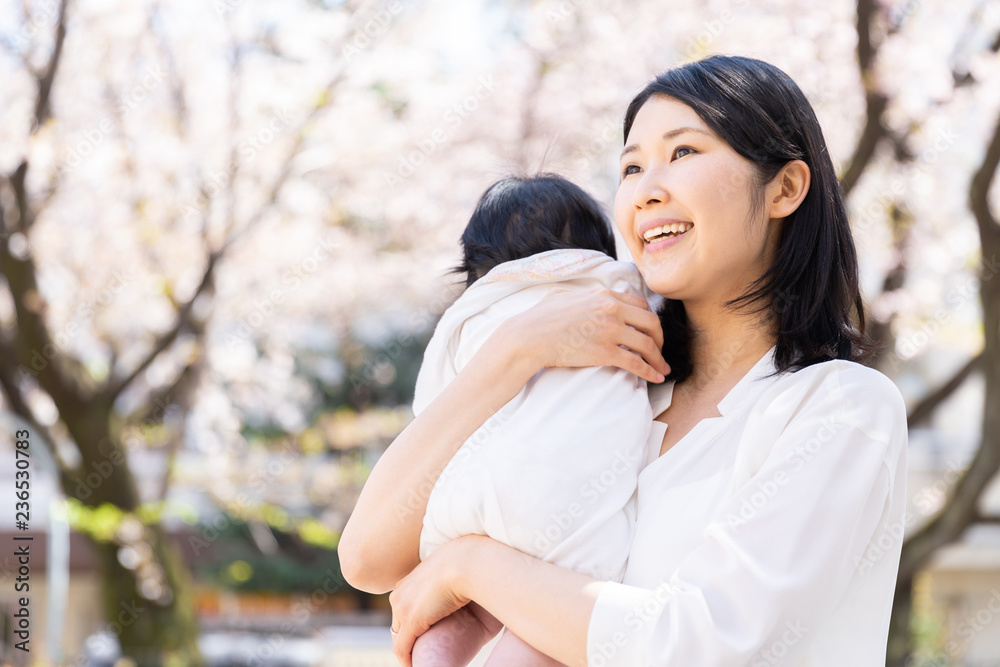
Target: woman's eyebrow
667, 136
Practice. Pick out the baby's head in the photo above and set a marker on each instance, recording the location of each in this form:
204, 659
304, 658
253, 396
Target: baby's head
520, 216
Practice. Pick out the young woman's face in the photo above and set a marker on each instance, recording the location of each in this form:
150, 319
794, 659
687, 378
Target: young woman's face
678, 175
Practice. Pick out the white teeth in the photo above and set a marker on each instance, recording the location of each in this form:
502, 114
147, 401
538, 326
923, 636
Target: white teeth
672, 228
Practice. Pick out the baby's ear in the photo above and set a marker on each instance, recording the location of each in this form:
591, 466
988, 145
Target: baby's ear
788, 188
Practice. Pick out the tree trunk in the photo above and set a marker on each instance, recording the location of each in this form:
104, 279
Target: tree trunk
961, 509
899, 647
147, 602
150, 633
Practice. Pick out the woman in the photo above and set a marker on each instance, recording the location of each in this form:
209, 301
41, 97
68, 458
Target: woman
767, 512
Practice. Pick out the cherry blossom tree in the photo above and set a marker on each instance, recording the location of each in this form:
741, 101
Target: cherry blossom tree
225, 217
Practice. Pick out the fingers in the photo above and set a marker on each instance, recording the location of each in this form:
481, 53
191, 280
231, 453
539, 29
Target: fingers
644, 334
630, 299
402, 638
402, 646
635, 313
642, 346
632, 362
588, 328
648, 323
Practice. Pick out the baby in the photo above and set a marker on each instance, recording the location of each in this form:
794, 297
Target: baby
553, 473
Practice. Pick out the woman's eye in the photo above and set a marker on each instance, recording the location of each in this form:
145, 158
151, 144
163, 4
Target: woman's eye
630, 169
682, 148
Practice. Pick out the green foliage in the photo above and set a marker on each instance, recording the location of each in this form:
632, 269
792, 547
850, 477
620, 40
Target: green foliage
101, 523
376, 375
305, 560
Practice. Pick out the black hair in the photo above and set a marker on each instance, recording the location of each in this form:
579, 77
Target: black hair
520, 216
811, 290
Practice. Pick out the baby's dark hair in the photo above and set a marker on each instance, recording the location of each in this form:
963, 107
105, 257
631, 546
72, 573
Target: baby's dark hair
520, 216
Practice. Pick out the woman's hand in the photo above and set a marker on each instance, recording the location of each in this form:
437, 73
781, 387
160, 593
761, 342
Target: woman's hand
589, 328
426, 595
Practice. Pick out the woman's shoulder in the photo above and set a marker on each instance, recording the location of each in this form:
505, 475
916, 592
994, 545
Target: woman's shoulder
851, 376
846, 392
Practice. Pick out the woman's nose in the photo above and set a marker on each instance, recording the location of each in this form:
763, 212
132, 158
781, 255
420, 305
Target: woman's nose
649, 190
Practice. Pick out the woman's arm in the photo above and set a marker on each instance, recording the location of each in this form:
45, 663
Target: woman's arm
543, 604
380, 543
753, 583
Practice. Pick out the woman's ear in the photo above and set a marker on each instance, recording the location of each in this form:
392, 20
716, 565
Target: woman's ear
787, 190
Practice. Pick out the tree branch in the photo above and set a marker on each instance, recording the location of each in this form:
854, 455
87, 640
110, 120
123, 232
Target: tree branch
181, 320
32, 345
45, 81
8, 383
324, 100
20, 407
980, 188
925, 408
183, 316
24, 213
875, 102
880, 330
155, 406
177, 94
961, 509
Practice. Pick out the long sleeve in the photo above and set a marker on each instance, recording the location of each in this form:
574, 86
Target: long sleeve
780, 552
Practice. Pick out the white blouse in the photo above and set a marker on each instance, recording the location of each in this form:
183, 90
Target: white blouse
768, 536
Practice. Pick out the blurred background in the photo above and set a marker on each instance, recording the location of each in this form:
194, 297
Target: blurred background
224, 232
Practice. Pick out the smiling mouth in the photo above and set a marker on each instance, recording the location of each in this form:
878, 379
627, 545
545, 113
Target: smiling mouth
665, 232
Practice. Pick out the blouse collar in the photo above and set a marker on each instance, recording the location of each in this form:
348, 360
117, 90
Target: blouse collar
750, 385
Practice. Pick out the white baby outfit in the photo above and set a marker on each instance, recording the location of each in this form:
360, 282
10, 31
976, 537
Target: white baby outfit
553, 473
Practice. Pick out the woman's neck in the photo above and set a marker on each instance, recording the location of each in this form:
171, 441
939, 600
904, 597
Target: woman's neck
726, 344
